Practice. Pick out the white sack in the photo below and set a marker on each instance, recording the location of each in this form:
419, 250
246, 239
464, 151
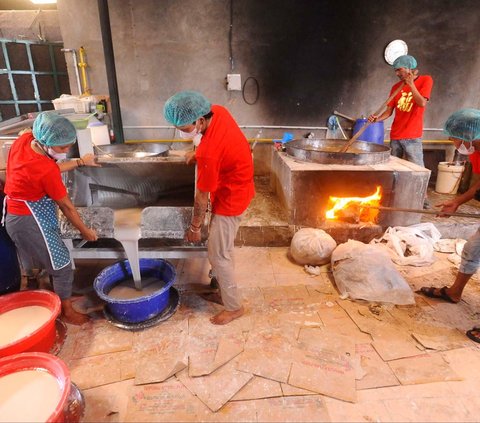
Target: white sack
366, 272
411, 245
312, 246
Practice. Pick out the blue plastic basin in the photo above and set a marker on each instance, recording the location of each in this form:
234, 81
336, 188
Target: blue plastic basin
136, 310
375, 132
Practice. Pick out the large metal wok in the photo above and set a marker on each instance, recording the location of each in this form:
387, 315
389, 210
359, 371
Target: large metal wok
139, 150
327, 152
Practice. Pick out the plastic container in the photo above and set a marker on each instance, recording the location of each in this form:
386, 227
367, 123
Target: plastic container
41, 362
43, 338
79, 121
66, 101
137, 309
448, 177
375, 132
10, 278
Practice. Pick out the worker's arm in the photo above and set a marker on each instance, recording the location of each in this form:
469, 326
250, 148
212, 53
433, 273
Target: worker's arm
385, 115
419, 99
451, 206
86, 160
70, 212
200, 205
190, 157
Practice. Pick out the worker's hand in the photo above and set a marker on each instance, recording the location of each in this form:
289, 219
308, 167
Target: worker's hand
190, 157
372, 118
410, 76
192, 236
89, 160
447, 207
89, 235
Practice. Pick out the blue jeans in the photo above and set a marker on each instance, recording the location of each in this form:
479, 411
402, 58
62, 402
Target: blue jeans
471, 255
411, 148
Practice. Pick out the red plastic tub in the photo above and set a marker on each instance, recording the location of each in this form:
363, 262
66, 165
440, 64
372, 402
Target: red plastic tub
41, 362
43, 338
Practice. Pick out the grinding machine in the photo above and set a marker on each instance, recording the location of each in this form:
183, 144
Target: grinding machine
148, 176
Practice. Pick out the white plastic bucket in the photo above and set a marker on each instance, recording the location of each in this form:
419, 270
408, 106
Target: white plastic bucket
448, 178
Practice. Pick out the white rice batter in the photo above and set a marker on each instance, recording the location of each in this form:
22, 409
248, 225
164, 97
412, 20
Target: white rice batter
20, 322
28, 396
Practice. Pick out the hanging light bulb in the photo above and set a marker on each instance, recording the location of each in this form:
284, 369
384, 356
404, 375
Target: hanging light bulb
44, 1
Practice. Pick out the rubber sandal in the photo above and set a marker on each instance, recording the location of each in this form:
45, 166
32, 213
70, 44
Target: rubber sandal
470, 334
430, 292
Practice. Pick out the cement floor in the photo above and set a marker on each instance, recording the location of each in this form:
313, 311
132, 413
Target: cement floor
410, 363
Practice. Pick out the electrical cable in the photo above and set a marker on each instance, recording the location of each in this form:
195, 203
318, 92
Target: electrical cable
230, 36
258, 90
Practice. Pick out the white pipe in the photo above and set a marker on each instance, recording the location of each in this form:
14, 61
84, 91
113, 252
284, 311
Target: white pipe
75, 64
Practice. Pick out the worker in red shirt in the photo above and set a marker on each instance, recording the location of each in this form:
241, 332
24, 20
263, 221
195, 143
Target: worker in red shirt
225, 173
463, 128
409, 105
34, 189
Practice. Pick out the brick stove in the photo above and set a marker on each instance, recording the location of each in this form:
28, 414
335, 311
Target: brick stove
304, 189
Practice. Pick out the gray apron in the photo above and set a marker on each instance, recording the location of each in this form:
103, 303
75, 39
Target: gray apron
44, 212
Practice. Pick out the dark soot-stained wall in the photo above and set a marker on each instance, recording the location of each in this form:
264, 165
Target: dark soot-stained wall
316, 56
309, 57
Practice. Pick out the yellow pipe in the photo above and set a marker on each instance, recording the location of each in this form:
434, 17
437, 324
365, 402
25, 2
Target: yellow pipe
261, 140
82, 64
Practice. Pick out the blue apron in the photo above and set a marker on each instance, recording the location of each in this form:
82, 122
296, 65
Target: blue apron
45, 213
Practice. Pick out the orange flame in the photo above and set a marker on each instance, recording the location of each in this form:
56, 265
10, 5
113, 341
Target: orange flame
357, 204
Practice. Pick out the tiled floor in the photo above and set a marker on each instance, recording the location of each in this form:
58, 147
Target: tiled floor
297, 331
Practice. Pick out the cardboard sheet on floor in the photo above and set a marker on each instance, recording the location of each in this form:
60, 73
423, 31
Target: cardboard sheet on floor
372, 372
258, 388
286, 298
426, 368
193, 305
268, 352
442, 339
90, 372
323, 363
292, 409
100, 337
155, 365
395, 343
218, 387
369, 318
291, 391
213, 353
168, 402
163, 336
107, 403
336, 318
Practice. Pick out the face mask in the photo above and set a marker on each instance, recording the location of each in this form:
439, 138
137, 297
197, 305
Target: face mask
196, 140
464, 150
57, 156
190, 135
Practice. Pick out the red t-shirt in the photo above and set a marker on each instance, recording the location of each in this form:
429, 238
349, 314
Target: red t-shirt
475, 161
408, 121
30, 176
225, 165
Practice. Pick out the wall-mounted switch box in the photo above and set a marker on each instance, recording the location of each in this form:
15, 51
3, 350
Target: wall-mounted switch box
234, 82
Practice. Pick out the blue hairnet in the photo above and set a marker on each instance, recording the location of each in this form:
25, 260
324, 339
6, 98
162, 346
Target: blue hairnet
185, 107
53, 130
405, 61
464, 124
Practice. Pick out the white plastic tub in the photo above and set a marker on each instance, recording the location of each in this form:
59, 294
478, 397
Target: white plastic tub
448, 178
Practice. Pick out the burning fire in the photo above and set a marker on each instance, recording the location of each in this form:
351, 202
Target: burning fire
353, 208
